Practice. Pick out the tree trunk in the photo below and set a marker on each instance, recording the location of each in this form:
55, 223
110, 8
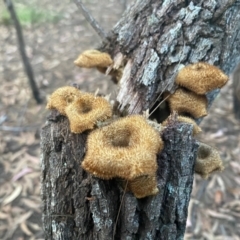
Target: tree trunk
157, 37
236, 91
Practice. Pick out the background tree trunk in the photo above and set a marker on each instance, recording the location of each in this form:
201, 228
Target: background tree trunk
156, 37
236, 91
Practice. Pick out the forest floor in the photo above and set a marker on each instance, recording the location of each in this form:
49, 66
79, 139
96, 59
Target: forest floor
52, 45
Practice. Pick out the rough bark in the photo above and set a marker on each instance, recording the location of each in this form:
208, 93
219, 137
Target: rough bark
79, 206
156, 37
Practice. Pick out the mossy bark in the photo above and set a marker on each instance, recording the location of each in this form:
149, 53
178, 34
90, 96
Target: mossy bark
156, 37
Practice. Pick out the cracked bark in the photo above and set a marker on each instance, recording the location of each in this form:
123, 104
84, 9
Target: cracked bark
157, 38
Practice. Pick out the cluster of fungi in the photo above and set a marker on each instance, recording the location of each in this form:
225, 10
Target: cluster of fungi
127, 147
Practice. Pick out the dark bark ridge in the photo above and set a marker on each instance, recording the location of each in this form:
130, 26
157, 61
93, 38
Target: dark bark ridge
79, 206
158, 37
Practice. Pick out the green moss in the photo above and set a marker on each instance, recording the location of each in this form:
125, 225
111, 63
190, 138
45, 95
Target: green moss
29, 15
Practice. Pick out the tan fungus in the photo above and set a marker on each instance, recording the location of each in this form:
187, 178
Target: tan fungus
208, 160
62, 97
201, 77
126, 148
143, 186
94, 58
84, 113
183, 101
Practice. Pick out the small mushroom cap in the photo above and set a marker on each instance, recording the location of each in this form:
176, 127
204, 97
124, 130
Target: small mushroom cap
84, 113
208, 160
93, 58
143, 186
183, 101
196, 128
201, 77
62, 97
126, 148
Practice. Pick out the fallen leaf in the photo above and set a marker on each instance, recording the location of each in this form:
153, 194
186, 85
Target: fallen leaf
214, 214
21, 174
13, 195
25, 229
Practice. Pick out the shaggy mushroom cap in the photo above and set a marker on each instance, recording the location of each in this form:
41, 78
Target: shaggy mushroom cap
201, 77
86, 110
183, 101
126, 148
208, 160
62, 97
93, 58
143, 186
196, 128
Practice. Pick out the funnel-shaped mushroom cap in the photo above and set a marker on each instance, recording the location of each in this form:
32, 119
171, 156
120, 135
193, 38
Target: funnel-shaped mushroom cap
126, 148
143, 186
93, 58
183, 101
201, 77
62, 97
208, 160
84, 113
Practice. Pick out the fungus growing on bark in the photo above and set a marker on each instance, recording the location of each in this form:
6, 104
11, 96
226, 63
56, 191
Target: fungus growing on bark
86, 110
93, 58
183, 101
143, 186
208, 160
196, 128
126, 148
62, 97
201, 77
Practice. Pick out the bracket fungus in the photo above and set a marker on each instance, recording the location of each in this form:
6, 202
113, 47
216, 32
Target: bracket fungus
201, 77
183, 101
86, 110
126, 148
62, 97
143, 186
103, 62
93, 58
208, 160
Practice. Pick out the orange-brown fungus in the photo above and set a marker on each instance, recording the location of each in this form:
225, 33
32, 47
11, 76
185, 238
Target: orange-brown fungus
62, 97
183, 101
84, 113
208, 160
143, 186
201, 77
93, 58
126, 148
196, 128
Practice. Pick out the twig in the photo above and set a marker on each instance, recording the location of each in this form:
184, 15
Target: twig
91, 20
21, 46
159, 105
119, 210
